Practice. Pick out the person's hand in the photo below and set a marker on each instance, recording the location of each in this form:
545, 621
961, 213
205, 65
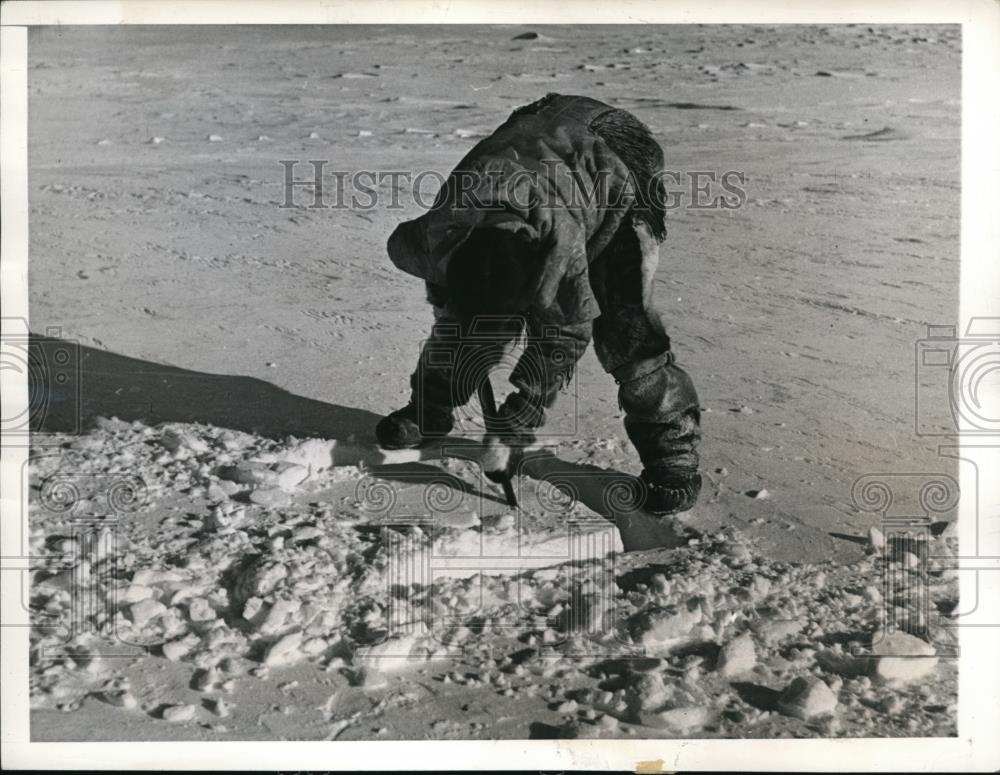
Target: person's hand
506, 438
504, 452
501, 457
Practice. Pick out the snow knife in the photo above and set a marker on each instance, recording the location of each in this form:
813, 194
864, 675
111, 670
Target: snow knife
489, 403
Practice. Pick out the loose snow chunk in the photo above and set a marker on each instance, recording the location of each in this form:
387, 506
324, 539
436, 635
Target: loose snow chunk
135, 593
178, 714
661, 630
221, 708
145, 611
738, 656
270, 497
806, 698
284, 475
119, 696
390, 656
313, 454
174, 439
775, 631
285, 650
178, 649
902, 657
678, 719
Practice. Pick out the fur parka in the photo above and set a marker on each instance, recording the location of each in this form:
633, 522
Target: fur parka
546, 173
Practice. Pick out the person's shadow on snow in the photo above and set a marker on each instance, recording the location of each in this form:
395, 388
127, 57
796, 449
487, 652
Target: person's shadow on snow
71, 384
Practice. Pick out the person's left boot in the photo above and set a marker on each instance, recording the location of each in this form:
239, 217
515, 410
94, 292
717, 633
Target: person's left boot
669, 489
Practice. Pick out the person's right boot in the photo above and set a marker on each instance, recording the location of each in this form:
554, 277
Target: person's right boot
662, 419
409, 428
669, 490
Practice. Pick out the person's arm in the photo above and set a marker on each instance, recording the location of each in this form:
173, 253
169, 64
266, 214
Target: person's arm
546, 367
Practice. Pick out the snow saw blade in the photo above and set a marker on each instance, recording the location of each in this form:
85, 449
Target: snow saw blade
488, 401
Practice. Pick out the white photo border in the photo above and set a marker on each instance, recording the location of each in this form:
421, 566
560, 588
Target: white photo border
977, 746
